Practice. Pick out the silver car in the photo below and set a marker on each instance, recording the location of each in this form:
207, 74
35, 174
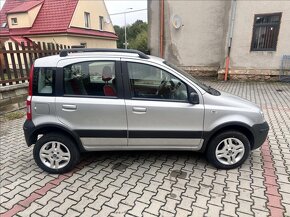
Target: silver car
110, 99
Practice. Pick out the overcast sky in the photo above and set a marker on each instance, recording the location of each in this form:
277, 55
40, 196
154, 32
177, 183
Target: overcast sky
117, 6
1, 3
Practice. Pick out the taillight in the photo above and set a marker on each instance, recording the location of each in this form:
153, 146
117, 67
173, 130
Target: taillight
29, 98
28, 108
30, 80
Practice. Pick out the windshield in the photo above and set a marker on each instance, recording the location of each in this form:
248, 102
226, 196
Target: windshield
208, 89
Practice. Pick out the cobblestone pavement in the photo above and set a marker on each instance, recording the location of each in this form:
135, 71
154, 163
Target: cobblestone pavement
147, 183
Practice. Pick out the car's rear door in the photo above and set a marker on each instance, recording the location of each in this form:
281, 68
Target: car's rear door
91, 102
160, 116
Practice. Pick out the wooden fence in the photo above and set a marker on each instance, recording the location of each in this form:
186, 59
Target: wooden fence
15, 60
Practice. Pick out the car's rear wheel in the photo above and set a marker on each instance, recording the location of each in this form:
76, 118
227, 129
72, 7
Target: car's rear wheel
228, 150
55, 153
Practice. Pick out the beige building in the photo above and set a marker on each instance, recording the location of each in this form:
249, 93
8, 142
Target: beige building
67, 22
201, 35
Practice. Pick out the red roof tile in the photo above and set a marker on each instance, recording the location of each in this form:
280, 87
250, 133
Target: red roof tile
54, 17
20, 40
26, 6
91, 32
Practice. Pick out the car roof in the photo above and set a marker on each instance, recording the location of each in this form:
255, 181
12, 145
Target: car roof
51, 61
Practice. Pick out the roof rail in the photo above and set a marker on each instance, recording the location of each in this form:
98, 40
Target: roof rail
64, 52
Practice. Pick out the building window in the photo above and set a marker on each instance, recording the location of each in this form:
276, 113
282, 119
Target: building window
14, 21
87, 20
101, 22
83, 44
265, 32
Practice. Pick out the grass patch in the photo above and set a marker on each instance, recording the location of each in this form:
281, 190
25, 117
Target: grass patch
14, 115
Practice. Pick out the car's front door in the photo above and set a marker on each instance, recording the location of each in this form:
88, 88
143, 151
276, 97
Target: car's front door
92, 103
158, 110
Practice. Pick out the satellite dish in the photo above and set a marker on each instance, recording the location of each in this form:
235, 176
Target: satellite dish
107, 20
177, 21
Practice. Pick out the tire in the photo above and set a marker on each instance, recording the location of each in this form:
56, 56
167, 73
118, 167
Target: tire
228, 150
56, 153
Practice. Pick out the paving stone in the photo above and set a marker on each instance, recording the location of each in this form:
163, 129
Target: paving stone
105, 211
121, 211
64, 206
62, 196
115, 200
82, 204
89, 212
31, 209
198, 211
138, 209
99, 202
47, 208
148, 187
213, 210
154, 207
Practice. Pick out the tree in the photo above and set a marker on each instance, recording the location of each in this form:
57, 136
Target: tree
137, 36
140, 42
120, 31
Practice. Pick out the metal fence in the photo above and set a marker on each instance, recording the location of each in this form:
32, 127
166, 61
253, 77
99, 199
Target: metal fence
285, 69
15, 60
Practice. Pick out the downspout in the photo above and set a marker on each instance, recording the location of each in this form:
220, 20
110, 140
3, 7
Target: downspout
161, 39
230, 38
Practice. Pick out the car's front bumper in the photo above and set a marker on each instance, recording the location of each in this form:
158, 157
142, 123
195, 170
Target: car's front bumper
260, 133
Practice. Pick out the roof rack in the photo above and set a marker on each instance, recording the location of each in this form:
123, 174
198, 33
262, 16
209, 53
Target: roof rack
64, 52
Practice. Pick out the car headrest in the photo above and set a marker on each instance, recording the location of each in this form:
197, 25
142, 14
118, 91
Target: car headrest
107, 73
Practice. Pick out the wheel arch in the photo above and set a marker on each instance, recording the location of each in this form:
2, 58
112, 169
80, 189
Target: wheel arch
236, 126
49, 128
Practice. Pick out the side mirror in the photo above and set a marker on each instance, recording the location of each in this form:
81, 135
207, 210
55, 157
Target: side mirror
193, 98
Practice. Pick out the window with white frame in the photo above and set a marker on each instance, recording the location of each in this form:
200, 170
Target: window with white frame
14, 21
101, 22
87, 20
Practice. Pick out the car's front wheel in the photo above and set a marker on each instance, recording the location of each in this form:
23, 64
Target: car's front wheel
228, 150
55, 153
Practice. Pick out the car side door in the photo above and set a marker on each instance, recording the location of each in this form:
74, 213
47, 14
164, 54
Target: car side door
91, 102
158, 110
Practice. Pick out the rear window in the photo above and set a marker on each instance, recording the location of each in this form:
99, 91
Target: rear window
43, 81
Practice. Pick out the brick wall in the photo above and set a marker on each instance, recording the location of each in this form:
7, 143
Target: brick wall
13, 97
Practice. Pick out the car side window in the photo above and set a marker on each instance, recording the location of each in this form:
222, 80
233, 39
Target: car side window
97, 78
150, 82
43, 81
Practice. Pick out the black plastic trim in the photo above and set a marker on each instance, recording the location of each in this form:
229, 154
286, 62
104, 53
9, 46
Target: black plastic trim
64, 52
126, 80
259, 137
260, 132
102, 133
29, 128
139, 134
31, 136
166, 134
59, 82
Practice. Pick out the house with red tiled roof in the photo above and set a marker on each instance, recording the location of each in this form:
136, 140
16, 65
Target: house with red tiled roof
67, 22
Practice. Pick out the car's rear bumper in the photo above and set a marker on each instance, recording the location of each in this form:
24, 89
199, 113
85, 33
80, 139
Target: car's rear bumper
29, 128
260, 133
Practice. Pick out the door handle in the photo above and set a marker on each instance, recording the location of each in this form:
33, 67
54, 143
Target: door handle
139, 110
69, 107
